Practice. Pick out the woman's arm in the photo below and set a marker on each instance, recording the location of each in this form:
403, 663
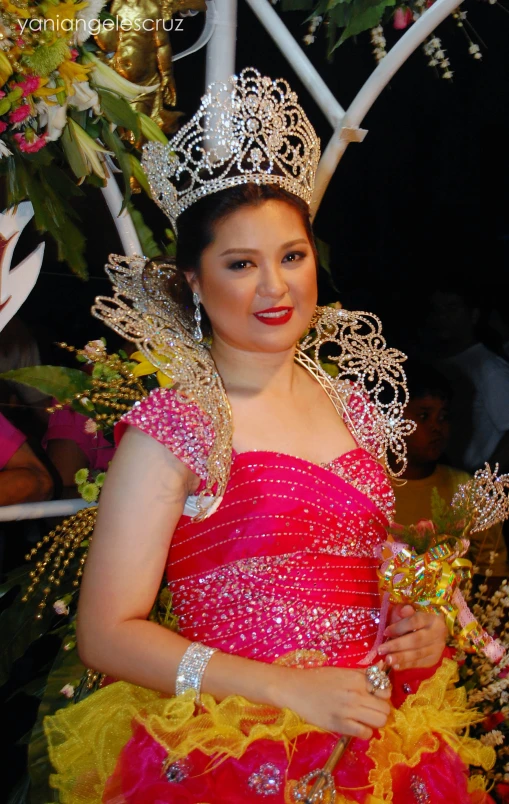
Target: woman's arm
141, 503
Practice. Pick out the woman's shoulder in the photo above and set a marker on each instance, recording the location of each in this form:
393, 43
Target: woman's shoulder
175, 421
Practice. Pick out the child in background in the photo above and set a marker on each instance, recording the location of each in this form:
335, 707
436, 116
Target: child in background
429, 409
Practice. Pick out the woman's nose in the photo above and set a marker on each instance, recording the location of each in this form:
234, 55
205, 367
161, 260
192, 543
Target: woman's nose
272, 282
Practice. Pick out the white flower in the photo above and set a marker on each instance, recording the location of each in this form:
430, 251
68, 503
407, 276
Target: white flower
67, 690
90, 427
494, 737
103, 76
94, 347
84, 97
88, 14
308, 39
60, 607
475, 49
54, 117
4, 151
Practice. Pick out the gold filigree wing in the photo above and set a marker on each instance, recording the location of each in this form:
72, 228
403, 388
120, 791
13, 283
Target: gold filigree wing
143, 311
369, 379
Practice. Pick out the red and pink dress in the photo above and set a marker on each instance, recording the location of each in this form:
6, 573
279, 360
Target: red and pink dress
283, 570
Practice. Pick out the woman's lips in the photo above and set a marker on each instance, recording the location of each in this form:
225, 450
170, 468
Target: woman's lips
275, 316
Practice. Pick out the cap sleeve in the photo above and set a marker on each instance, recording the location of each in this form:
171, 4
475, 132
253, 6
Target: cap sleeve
177, 423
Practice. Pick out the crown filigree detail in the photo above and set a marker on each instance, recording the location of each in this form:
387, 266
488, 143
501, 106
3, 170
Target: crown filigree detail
251, 131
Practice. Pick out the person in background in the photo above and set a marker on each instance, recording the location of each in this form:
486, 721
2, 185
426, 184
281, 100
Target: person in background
72, 442
479, 380
23, 477
18, 349
429, 408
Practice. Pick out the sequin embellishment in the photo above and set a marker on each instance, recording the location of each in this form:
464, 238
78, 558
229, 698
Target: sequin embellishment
178, 771
266, 781
419, 790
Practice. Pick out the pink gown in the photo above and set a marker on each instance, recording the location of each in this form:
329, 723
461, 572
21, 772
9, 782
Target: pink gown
284, 570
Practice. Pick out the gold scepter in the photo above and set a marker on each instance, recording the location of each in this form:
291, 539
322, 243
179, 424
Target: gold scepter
429, 580
323, 784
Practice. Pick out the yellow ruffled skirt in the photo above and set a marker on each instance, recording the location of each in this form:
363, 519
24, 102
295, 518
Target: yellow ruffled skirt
129, 745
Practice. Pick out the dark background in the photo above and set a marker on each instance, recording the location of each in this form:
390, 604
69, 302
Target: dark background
423, 201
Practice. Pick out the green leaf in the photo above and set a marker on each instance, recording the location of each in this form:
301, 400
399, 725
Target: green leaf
148, 244
118, 111
57, 381
139, 174
296, 5
49, 189
323, 249
367, 18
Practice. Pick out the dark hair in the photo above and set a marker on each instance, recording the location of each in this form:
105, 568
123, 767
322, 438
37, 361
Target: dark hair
196, 225
424, 380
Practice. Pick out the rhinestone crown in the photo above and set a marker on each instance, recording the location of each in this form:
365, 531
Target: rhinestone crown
251, 131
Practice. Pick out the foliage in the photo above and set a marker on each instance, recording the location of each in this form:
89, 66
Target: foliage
61, 111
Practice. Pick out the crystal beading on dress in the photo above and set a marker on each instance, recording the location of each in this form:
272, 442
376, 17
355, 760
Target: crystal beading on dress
252, 131
251, 581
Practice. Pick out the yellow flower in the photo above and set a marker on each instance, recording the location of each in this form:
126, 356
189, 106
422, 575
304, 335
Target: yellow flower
71, 71
145, 367
18, 11
60, 13
5, 68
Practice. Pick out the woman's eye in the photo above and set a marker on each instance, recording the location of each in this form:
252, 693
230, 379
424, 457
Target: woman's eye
293, 256
239, 265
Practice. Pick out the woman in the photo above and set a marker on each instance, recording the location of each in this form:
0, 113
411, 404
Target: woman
267, 508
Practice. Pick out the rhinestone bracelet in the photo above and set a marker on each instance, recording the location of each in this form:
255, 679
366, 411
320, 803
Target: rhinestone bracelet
192, 667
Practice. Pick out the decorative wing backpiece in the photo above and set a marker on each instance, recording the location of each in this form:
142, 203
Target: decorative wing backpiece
143, 311
366, 368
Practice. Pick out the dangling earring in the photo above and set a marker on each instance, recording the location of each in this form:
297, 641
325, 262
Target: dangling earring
197, 333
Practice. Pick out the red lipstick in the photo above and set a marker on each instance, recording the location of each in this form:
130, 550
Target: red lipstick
274, 316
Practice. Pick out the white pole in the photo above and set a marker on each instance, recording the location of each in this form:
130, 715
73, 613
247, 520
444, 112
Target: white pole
294, 54
41, 510
123, 222
378, 80
221, 47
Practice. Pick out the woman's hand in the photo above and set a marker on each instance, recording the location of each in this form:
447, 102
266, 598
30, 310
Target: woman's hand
336, 699
414, 638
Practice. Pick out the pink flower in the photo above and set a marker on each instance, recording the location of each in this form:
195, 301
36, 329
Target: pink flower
95, 348
424, 526
3, 126
74, 54
20, 114
29, 85
90, 427
20, 42
2, 94
30, 147
67, 690
60, 607
402, 18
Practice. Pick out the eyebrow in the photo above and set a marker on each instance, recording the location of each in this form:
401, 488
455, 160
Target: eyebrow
245, 250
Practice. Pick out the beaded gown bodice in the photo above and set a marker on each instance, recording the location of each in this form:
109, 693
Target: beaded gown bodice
285, 568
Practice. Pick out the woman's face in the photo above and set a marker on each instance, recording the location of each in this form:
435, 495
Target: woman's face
257, 278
